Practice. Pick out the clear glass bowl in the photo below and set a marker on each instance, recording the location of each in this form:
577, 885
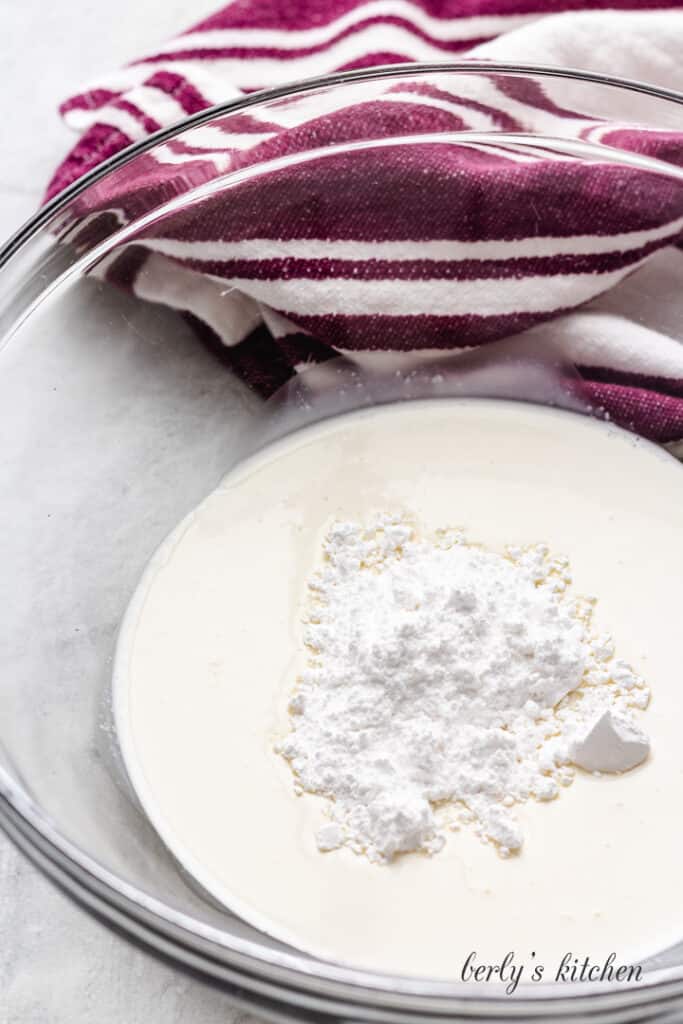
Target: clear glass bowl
117, 421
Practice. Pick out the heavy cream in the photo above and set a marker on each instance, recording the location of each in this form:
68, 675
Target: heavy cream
211, 648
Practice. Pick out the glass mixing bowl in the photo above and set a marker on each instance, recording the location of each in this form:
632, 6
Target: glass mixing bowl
117, 420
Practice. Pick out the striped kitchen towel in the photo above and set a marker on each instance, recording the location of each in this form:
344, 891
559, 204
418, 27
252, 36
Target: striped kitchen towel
463, 234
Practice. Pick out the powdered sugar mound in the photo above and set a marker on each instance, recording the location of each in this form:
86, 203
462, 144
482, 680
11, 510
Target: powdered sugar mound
442, 676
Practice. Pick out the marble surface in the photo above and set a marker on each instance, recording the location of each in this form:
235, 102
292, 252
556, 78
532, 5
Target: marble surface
57, 965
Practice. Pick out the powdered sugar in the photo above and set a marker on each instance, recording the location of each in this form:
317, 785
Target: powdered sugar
444, 682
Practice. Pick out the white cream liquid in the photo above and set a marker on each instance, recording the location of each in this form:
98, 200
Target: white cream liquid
211, 647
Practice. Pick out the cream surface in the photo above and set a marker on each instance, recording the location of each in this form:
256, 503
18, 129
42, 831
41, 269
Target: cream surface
210, 650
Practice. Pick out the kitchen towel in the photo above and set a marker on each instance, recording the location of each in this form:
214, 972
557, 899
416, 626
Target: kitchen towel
448, 242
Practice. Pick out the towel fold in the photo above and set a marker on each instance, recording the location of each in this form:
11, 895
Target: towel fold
511, 203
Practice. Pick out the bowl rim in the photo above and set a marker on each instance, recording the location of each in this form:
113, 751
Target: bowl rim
314, 985
304, 85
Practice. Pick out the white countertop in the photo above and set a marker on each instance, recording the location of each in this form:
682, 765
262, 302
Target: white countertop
57, 965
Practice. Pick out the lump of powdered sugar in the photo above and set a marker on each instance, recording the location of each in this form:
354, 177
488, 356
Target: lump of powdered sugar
440, 673
610, 743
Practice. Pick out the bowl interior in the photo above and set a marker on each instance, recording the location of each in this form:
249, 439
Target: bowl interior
126, 398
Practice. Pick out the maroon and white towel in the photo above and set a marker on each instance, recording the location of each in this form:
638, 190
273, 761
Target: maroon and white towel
436, 245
